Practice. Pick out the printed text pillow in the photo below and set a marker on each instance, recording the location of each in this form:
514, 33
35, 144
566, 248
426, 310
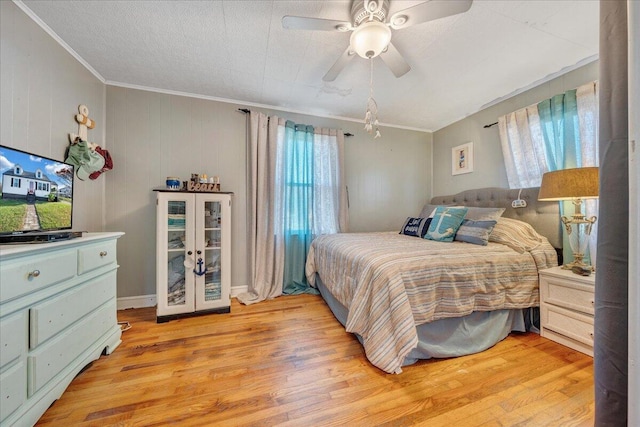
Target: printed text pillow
416, 227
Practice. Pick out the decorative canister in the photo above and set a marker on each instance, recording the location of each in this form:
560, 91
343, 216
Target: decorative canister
173, 183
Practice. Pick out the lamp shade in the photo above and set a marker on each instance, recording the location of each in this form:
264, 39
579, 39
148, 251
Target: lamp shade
370, 39
567, 184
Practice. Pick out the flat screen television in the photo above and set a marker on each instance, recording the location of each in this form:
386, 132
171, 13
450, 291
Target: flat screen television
36, 197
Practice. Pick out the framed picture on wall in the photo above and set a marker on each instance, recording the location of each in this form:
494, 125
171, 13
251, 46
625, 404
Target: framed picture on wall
462, 159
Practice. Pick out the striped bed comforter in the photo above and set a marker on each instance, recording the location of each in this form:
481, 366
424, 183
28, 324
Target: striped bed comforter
390, 283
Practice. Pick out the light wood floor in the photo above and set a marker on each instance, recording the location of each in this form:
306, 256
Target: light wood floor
288, 362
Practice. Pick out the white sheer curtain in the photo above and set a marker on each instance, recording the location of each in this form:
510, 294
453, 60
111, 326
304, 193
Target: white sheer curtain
523, 147
330, 213
587, 99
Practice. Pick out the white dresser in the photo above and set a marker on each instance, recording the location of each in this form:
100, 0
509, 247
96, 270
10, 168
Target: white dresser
57, 314
567, 308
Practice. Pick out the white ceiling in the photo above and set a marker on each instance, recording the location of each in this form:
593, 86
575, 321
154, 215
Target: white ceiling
237, 50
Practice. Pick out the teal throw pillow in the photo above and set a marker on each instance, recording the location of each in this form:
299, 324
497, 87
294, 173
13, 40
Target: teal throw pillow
445, 223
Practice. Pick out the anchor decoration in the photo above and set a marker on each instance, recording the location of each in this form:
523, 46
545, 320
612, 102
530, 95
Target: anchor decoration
84, 123
200, 271
447, 232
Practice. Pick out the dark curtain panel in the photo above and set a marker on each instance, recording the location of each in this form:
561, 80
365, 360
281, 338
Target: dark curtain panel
611, 293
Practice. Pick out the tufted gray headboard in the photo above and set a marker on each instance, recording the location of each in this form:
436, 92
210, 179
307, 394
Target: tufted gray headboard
543, 216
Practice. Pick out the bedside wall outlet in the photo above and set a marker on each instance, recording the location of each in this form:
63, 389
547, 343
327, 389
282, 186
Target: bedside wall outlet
519, 204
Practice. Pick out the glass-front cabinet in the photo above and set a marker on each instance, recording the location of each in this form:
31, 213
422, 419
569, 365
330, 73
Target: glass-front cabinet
193, 253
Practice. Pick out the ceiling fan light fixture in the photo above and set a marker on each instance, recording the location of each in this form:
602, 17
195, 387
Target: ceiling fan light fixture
370, 39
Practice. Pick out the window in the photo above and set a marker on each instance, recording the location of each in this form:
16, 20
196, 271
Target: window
308, 168
557, 133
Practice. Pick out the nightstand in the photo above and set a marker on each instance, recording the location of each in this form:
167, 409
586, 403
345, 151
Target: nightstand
567, 308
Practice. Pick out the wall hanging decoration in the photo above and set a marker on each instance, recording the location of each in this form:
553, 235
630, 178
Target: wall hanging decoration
89, 158
84, 123
462, 159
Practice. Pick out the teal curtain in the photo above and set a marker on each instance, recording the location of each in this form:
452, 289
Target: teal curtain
297, 205
561, 132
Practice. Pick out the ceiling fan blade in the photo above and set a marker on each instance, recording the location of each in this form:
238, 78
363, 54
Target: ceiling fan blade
395, 61
303, 23
428, 11
339, 65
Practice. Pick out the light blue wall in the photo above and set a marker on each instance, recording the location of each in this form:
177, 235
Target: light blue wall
41, 88
489, 170
153, 135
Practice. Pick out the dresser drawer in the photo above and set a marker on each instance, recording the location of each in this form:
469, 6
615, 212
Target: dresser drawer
39, 272
48, 360
56, 314
12, 389
574, 325
96, 256
13, 331
565, 293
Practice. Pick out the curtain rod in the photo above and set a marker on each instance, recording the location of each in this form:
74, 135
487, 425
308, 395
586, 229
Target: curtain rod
244, 110
488, 126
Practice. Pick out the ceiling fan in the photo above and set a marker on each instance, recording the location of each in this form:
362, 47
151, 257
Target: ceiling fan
371, 30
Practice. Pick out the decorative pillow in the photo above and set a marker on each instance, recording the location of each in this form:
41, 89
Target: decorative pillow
518, 235
484, 214
445, 223
476, 232
415, 227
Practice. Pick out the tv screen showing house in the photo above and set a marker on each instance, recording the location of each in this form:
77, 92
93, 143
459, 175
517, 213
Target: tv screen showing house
36, 193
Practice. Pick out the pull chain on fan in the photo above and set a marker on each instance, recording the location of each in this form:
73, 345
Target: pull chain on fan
371, 116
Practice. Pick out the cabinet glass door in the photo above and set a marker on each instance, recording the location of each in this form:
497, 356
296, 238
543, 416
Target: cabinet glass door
176, 240
212, 250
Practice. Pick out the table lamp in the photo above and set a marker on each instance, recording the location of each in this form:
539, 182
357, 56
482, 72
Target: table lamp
576, 185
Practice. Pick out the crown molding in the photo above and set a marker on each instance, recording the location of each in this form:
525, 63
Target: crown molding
255, 105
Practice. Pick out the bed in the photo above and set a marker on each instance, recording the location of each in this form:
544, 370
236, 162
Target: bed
409, 298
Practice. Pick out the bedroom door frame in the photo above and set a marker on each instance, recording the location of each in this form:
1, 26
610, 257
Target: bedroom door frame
633, 37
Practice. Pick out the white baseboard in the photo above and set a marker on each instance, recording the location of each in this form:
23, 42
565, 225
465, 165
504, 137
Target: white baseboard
235, 290
142, 301
136, 302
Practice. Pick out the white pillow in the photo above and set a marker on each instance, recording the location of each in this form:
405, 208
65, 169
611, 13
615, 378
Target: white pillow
518, 235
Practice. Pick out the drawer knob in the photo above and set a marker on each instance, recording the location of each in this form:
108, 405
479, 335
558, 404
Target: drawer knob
103, 254
32, 274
